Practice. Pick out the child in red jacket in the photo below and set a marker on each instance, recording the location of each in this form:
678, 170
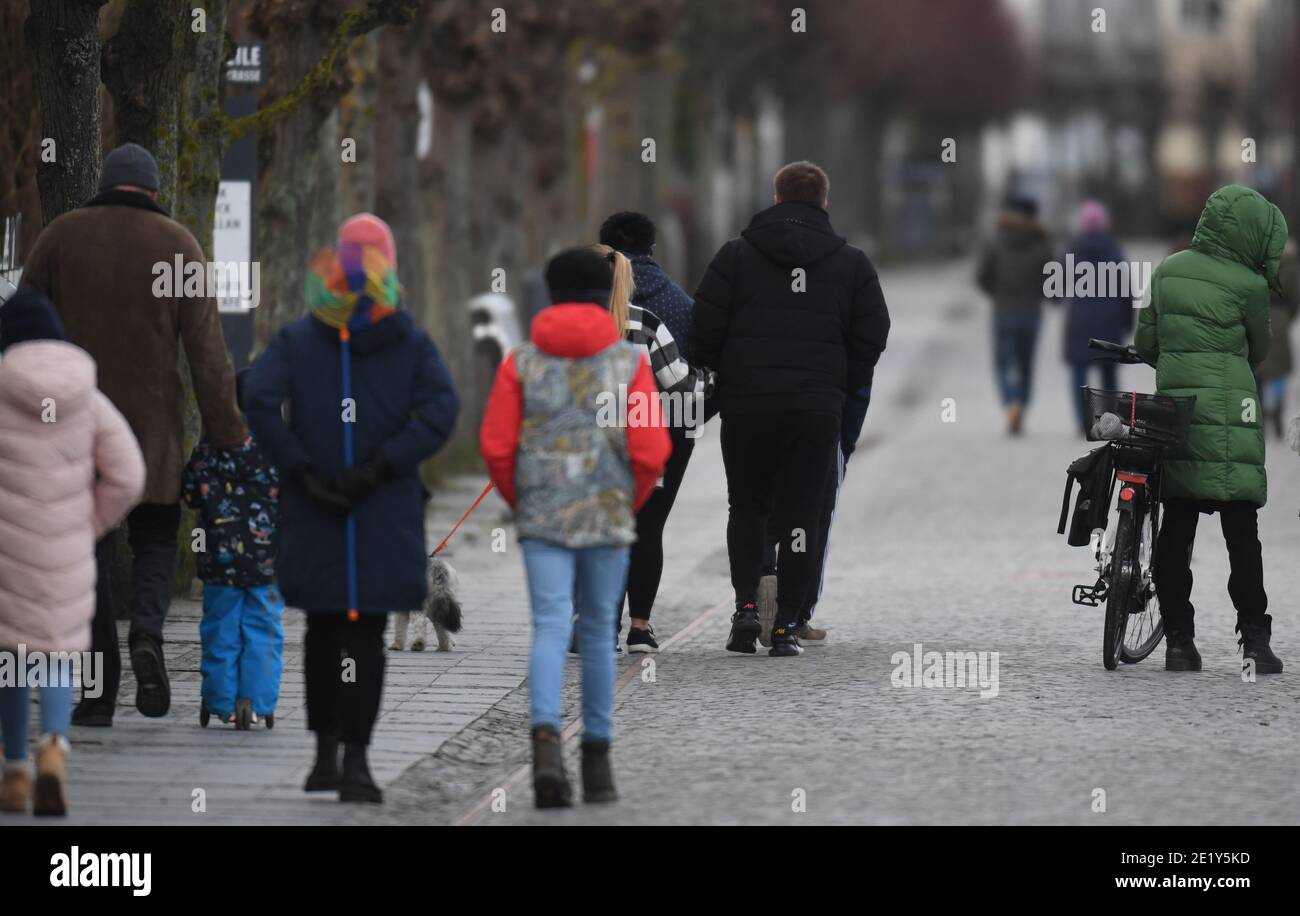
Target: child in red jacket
573, 441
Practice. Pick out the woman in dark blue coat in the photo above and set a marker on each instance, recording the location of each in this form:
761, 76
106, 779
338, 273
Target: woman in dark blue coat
1107, 317
368, 399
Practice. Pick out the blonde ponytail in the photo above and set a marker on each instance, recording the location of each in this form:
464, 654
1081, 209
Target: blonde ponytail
621, 292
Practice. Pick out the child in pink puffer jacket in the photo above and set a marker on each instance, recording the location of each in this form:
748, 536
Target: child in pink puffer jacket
70, 469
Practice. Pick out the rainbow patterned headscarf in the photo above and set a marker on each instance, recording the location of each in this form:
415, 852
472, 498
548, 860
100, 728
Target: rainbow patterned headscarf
353, 286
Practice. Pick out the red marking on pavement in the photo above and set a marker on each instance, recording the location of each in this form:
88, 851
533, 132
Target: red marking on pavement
628, 678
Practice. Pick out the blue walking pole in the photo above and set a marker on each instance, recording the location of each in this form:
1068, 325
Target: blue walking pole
344, 337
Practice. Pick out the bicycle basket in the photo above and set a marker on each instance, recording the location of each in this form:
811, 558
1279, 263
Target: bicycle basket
1158, 416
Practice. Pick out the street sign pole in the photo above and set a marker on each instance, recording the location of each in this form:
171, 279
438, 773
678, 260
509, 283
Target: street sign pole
234, 232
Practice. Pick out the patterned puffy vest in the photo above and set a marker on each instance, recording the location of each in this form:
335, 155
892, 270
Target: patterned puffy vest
572, 473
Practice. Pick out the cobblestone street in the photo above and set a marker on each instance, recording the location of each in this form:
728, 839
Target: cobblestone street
961, 556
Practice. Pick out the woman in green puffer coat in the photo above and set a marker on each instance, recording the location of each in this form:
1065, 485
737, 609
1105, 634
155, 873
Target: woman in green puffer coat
1205, 330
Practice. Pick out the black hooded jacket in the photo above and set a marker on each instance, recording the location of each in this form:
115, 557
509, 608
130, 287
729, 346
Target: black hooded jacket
780, 341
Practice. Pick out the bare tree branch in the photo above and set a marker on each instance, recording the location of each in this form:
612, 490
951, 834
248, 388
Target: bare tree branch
318, 80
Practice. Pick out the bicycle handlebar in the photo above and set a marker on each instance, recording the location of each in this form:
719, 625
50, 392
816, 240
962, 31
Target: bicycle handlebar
1128, 355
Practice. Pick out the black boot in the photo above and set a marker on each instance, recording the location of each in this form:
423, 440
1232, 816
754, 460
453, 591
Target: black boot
1254, 639
153, 692
1180, 652
357, 785
324, 776
97, 713
551, 787
597, 778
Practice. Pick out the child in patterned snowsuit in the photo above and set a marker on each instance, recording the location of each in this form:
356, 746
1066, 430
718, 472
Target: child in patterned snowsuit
236, 493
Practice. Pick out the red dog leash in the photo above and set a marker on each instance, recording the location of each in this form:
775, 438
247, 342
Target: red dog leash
468, 512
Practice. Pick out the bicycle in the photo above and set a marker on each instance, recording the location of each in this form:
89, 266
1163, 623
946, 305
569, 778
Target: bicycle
1137, 428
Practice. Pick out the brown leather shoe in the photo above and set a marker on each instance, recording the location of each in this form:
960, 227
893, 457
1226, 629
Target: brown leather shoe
48, 798
1015, 418
16, 788
810, 633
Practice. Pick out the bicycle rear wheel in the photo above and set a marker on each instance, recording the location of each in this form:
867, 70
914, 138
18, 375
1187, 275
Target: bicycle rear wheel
1119, 596
1145, 627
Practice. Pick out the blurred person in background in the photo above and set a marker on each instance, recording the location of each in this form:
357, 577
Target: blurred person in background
98, 266
1010, 272
69, 471
1205, 330
1274, 372
1106, 317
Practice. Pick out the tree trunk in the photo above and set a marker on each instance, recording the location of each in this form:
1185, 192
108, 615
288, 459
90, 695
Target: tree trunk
449, 198
359, 114
203, 143
396, 125
145, 66
63, 36
289, 163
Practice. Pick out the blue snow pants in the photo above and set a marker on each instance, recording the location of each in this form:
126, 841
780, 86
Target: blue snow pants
243, 647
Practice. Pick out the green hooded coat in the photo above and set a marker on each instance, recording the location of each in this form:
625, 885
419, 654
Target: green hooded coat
1205, 329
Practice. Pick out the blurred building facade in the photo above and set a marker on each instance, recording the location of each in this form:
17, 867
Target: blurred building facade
1155, 111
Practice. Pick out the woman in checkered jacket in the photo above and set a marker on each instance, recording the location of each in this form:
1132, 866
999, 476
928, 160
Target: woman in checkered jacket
683, 389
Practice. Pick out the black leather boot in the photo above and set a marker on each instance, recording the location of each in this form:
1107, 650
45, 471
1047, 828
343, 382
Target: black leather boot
324, 775
597, 777
1254, 639
551, 787
153, 692
1180, 653
357, 785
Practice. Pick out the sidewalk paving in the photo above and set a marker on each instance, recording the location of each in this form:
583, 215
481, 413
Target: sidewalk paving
147, 771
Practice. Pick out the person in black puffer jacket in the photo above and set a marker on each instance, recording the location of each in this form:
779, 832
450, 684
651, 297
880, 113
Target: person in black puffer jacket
793, 319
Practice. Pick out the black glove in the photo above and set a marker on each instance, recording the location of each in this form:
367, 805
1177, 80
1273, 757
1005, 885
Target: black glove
852, 419
323, 491
359, 482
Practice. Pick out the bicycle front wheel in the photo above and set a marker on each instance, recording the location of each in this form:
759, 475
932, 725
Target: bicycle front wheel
1122, 570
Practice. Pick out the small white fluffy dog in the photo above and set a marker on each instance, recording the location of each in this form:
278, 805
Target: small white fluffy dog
440, 606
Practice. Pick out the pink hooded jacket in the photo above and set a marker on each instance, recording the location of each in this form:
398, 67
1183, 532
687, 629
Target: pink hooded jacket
70, 469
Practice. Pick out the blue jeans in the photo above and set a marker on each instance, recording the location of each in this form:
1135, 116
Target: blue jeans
243, 647
56, 715
561, 580
1272, 392
1079, 379
1015, 337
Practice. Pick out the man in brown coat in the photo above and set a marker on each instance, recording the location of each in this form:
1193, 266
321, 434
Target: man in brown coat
100, 266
